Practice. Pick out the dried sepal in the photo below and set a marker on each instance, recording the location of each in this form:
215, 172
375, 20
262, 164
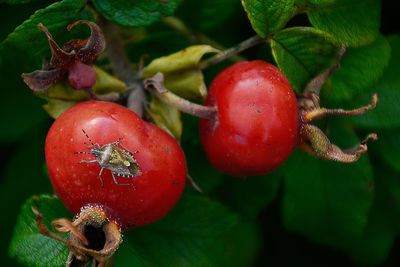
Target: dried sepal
314, 86
320, 113
74, 58
82, 251
94, 45
40, 80
317, 144
59, 58
312, 139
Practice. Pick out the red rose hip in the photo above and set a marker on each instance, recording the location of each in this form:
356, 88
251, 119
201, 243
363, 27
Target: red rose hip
257, 124
159, 183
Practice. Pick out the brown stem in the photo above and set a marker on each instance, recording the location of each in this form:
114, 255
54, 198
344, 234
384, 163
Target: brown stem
320, 113
124, 69
315, 142
156, 85
314, 86
197, 38
252, 41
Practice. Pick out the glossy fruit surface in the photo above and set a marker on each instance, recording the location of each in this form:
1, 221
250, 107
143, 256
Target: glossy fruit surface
159, 156
257, 124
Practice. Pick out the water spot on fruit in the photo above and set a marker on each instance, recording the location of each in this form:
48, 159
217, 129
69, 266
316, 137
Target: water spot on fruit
271, 154
166, 147
71, 140
252, 105
113, 117
230, 150
230, 137
258, 111
240, 139
238, 154
268, 145
175, 182
180, 163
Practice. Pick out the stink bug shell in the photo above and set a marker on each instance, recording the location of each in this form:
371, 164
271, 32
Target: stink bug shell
119, 161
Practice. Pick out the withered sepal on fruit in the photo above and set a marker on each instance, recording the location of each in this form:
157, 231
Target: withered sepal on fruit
73, 60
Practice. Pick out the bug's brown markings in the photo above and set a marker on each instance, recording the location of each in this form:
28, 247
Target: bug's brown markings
119, 161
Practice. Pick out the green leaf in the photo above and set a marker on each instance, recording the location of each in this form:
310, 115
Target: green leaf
360, 69
267, 16
373, 247
302, 53
208, 13
193, 234
353, 22
62, 96
28, 44
386, 115
17, 185
181, 73
135, 13
249, 196
313, 3
28, 245
107, 83
22, 51
328, 202
56, 107
166, 117
388, 148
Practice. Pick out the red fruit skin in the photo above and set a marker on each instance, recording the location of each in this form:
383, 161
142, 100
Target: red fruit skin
160, 158
258, 117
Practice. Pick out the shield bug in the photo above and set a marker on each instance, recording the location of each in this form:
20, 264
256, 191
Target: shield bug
119, 161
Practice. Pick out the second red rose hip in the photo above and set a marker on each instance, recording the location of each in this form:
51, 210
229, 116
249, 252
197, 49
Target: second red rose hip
257, 124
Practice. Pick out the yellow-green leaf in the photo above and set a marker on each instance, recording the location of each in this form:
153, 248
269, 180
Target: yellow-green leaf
56, 107
166, 117
182, 75
107, 83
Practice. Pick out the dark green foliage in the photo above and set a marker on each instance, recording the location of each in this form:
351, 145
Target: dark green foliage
135, 13
352, 208
302, 53
28, 245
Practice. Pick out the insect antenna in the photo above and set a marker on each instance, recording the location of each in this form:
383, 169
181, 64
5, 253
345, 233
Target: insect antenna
81, 152
87, 136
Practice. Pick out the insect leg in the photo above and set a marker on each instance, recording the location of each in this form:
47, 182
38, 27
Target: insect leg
81, 152
87, 136
101, 171
115, 180
132, 153
85, 161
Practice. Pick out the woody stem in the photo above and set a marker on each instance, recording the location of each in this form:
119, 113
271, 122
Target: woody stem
156, 87
252, 41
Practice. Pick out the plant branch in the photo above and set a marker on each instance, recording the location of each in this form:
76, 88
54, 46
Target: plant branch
156, 85
124, 69
252, 41
197, 38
